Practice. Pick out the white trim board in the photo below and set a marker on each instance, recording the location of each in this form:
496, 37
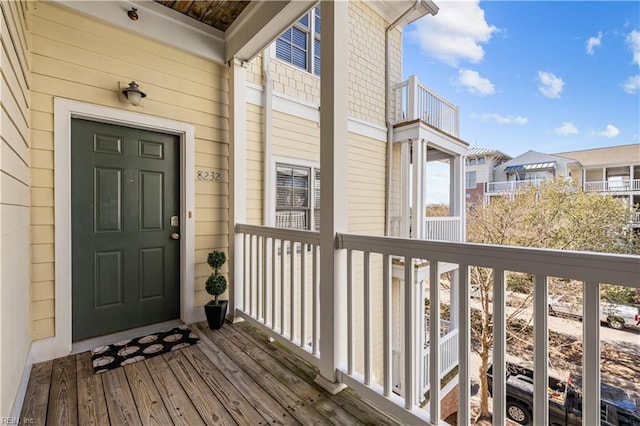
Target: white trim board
310, 111
64, 111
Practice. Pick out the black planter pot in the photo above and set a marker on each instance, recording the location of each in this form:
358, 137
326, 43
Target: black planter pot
216, 313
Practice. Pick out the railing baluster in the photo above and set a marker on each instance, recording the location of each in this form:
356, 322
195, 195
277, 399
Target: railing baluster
434, 339
303, 294
591, 356
464, 346
246, 278
387, 326
540, 350
499, 347
283, 283
259, 275
316, 299
350, 345
367, 320
292, 292
273, 283
251, 272
409, 384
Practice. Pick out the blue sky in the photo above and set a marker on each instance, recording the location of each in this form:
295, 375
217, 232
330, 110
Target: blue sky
544, 75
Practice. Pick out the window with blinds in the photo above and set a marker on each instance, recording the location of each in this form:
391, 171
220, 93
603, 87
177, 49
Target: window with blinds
297, 197
299, 45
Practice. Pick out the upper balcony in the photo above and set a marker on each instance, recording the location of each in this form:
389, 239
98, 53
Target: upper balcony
617, 186
415, 101
507, 187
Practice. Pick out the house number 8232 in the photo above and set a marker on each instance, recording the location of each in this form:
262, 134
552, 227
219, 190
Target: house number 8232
208, 175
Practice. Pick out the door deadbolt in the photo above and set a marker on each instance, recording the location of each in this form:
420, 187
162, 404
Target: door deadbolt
174, 222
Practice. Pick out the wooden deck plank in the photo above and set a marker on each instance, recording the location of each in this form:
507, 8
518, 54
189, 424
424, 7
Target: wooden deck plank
150, 407
259, 398
63, 395
296, 405
37, 394
92, 406
120, 404
210, 408
348, 399
180, 407
235, 376
311, 393
241, 410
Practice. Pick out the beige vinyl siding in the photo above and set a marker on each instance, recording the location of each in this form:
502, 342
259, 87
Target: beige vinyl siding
79, 58
366, 193
15, 244
295, 137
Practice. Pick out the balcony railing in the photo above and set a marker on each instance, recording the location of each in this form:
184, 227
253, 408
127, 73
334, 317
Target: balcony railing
280, 294
510, 186
446, 228
612, 185
413, 100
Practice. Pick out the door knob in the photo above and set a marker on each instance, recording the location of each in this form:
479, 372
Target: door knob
175, 236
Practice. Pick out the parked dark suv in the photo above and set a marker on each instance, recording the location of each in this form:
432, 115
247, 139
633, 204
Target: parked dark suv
618, 407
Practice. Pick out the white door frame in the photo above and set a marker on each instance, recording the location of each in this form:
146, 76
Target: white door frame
64, 111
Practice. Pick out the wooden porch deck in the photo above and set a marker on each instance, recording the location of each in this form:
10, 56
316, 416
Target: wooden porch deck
233, 376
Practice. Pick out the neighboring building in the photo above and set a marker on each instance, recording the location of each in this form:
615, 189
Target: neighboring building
612, 170
480, 165
530, 168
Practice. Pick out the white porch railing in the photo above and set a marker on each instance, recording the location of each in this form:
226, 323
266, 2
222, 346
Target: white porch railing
446, 228
612, 185
448, 361
635, 218
511, 185
414, 100
280, 294
443, 229
280, 287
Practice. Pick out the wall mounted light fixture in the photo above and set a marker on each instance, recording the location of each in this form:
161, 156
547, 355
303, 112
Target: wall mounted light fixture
134, 94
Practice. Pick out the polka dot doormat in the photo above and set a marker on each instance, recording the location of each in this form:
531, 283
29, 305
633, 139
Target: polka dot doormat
119, 354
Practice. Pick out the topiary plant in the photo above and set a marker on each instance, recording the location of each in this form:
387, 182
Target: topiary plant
216, 283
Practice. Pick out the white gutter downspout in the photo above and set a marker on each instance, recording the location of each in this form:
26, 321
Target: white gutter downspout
387, 105
267, 103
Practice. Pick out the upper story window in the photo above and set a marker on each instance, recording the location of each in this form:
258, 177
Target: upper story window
299, 45
297, 197
470, 180
482, 160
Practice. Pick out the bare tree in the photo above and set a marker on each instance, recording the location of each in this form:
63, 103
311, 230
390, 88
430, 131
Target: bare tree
554, 214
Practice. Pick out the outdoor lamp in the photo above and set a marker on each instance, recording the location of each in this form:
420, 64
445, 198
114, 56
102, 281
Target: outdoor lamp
134, 94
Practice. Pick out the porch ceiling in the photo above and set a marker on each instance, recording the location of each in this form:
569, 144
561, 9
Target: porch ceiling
219, 14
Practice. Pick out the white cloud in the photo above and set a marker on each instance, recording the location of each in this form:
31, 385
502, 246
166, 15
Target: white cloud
500, 119
594, 42
632, 85
611, 131
550, 85
634, 44
474, 83
567, 128
455, 34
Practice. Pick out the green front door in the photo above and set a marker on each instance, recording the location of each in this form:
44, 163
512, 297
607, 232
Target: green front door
124, 193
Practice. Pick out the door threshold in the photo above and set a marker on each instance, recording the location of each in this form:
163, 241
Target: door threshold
107, 339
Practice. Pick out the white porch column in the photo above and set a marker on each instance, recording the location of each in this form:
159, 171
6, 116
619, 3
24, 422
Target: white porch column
417, 204
457, 193
405, 198
237, 179
333, 208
